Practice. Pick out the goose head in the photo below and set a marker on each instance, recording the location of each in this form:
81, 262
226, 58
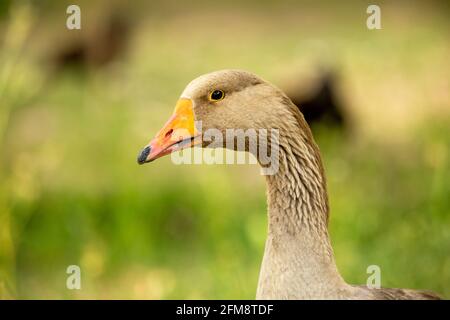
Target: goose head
221, 100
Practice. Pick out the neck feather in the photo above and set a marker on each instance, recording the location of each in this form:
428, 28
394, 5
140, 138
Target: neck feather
298, 260
297, 195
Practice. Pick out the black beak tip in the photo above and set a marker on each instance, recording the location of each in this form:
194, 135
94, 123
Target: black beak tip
142, 157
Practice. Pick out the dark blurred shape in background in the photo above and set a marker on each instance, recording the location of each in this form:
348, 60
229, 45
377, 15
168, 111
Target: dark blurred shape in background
96, 48
321, 103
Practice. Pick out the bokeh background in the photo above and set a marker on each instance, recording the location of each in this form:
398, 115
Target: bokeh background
76, 106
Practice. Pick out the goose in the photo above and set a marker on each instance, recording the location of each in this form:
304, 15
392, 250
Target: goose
298, 261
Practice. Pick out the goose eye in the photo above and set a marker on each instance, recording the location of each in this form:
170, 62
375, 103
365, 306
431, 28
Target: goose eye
216, 95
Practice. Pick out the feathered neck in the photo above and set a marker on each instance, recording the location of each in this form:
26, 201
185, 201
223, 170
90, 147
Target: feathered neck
297, 194
298, 259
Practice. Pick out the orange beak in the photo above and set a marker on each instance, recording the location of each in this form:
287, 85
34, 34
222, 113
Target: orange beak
178, 133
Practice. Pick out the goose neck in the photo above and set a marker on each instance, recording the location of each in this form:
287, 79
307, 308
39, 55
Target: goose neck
298, 259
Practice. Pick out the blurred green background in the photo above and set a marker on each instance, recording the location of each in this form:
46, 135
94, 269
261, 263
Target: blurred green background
72, 193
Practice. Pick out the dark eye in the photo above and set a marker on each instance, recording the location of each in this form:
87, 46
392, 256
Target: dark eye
216, 95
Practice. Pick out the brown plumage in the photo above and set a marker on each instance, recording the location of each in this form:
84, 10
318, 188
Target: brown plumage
298, 261
402, 294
